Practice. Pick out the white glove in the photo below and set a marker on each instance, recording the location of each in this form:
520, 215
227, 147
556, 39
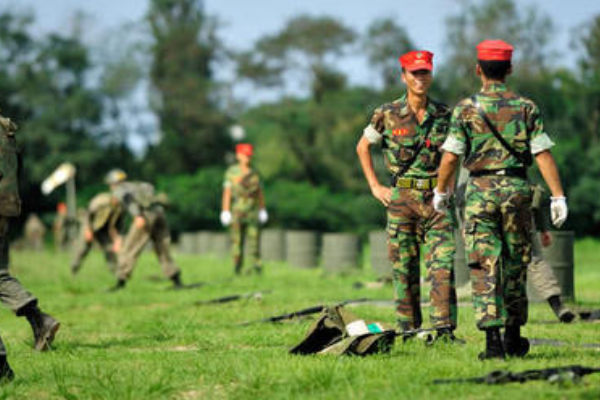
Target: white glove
440, 201
225, 218
263, 216
558, 210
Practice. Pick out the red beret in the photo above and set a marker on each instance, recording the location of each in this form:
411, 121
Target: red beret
494, 50
415, 60
61, 207
244, 148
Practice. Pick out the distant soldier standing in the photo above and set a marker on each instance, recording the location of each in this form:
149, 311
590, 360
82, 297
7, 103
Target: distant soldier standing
12, 293
243, 206
539, 271
102, 224
59, 227
149, 224
34, 232
411, 131
499, 132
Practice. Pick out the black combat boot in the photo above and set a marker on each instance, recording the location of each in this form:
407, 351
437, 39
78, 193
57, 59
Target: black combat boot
494, 349
176, 279
6, 372
43, 325
563, 313
444, 335
118, 286
514, 343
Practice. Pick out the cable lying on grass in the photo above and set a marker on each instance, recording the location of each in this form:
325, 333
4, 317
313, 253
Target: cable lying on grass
235, 297
571, 373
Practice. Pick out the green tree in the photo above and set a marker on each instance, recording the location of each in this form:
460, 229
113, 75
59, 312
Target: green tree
184, 50
384, 42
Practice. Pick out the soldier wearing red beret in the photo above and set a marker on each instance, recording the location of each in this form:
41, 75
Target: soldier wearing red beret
411, 131
499, 133
243, 207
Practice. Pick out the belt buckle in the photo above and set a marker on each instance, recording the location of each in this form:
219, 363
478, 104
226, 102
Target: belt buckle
420, 183
501, 172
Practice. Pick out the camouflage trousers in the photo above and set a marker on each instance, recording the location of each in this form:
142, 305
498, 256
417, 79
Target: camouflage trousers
12, 293
498, 245
245, 233
540, 273
155, 230
414, 227
106, 245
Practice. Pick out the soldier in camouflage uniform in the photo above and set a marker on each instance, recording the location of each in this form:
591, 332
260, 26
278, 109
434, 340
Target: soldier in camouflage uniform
499, 132
102, 223
12, 293
243, 206
412, 130
540, 272
59, 227
149, 224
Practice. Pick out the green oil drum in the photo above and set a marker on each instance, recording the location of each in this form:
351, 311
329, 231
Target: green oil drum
204, 242
220, 244
560, 257
272, 245
187, 243
461, 270
340, 252
301, 248
378, 246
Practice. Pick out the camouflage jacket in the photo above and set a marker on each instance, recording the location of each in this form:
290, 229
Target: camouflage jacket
137, 197
10, 202
245, 191
395, 125
516, 118
103, 212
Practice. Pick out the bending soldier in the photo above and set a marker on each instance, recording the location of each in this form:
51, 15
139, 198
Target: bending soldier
149, 224
102, 224
243, 206
499, 132
411, 131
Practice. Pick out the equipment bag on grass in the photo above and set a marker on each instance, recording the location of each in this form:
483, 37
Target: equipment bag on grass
338, 332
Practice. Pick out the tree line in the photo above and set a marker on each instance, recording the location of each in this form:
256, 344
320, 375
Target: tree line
158, 82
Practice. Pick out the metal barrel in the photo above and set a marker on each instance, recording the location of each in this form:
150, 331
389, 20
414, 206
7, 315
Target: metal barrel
204, 242
301, 248
378, 246
220, 245
340, 252
461, 270
560, 257
187, 243
272, 245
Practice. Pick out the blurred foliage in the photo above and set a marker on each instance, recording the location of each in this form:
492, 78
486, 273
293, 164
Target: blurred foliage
73, 104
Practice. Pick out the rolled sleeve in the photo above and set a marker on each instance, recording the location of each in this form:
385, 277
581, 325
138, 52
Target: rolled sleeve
541, 143
453, 145
372, 135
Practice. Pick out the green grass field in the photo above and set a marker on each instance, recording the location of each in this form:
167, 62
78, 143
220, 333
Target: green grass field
148, 342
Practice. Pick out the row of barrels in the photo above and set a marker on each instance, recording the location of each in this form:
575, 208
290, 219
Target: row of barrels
340, 252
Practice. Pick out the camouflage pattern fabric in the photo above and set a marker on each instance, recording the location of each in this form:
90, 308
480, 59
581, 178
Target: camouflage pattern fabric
401, 134
106, 245
157, 231
136, 197
245, 234
516, 118
245, 228
10, 202
413, 226
498, 245
245, 193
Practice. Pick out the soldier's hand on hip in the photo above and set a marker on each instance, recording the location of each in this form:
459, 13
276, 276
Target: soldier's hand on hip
225, 217
263, 216
440, 201
383, 194
558, 210
139, 222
